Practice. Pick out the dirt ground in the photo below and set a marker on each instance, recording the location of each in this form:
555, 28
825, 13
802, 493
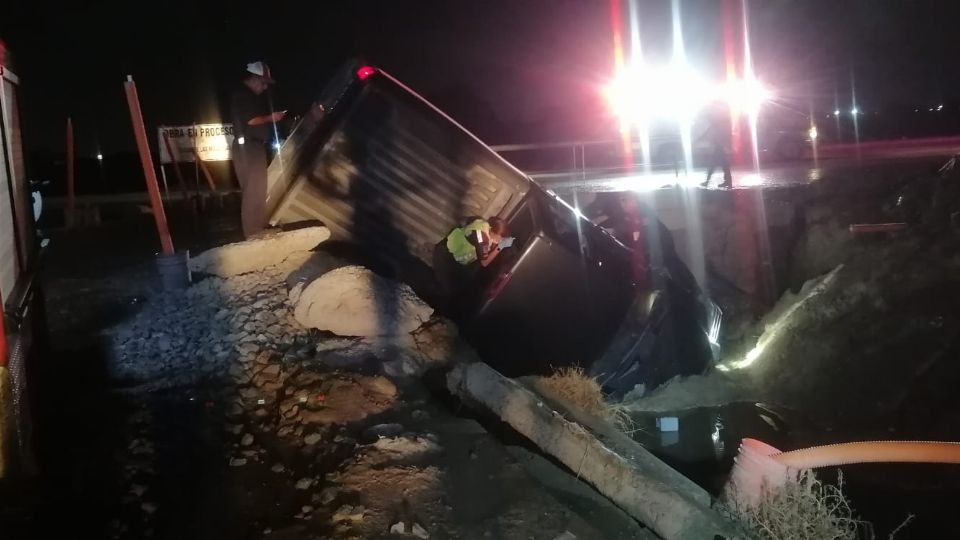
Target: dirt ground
268, 442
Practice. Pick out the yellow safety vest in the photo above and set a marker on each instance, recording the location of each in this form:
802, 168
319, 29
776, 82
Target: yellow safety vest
458, 242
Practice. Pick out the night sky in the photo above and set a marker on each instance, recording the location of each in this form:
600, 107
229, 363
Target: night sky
511, 70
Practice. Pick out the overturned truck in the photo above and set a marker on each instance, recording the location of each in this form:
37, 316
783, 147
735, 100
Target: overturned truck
388, 172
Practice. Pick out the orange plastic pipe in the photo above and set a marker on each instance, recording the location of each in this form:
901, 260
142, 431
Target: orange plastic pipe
871, 452
140, 134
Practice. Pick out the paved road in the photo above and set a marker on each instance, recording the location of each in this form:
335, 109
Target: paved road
836, 160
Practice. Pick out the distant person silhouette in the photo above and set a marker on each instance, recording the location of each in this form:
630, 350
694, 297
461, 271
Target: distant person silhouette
718, 134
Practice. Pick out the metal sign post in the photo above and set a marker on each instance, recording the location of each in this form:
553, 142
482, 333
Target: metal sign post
206, 171
176, 166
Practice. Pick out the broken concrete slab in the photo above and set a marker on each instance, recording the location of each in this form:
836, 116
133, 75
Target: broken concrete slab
258, 254
639, 483
354, 301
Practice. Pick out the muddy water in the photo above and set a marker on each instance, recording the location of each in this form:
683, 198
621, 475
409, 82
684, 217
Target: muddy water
701, 444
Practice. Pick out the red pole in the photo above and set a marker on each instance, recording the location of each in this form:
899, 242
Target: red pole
70, 159
140, 133
176, 165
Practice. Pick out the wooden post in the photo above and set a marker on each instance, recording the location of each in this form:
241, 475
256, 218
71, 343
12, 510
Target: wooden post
206, 171
140, 133
71, 199
176, 166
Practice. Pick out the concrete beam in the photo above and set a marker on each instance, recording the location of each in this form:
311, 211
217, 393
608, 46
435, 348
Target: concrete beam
618, 467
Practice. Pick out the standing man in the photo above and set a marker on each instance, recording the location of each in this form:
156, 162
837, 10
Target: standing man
253, 129
718, 135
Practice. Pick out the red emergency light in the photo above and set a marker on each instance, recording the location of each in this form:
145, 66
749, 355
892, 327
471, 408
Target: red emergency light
365, 72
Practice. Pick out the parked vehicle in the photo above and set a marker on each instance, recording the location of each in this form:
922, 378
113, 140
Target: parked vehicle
388, 171
21, 319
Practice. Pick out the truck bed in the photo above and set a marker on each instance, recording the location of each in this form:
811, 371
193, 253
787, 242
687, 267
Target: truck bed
386, 170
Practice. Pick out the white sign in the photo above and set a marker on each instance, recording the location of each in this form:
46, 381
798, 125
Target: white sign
210, 141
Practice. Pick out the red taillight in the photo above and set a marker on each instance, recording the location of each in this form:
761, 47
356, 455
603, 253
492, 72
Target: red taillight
365, 72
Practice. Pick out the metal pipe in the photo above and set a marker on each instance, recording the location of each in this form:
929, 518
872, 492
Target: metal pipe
140, 133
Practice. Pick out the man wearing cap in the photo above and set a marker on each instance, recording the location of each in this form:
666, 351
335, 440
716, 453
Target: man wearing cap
253, 129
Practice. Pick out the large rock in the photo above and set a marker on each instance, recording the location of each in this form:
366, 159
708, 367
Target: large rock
258, 254
353, 301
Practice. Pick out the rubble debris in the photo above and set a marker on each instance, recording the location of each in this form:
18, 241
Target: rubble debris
407, 529
231, 348
207, 331
328, 495
354, 301
353, 514
406, 449
378, 431
304, 483
257, 254
350, 399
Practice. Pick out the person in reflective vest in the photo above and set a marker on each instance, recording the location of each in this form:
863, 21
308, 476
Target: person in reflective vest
458, 257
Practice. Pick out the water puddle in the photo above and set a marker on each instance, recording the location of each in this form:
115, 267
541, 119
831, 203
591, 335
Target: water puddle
702, 442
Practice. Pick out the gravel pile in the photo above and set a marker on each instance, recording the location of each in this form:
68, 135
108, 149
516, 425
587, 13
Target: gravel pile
275, 402
203, 332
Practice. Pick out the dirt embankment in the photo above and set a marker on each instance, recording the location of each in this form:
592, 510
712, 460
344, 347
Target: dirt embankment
869, 324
